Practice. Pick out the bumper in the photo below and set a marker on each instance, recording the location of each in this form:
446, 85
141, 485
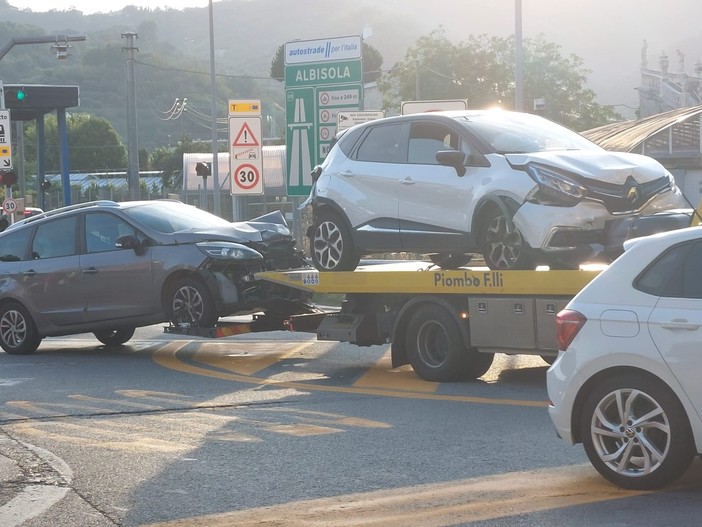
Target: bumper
588, 230
561, 395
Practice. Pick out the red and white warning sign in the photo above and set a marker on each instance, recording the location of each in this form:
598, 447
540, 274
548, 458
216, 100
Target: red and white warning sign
245, 155
246, 137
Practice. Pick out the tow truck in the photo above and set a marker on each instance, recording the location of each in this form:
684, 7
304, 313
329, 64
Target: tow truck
447, 324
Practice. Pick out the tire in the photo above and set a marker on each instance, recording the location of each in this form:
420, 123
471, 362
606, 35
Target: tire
621, 451
436, 350
114, 337
190, 302
549, 359
450, 260
18, 333
331, 246
503, 249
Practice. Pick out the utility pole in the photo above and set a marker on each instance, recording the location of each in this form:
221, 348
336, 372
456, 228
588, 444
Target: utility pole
132, 140
518, 59
215, 134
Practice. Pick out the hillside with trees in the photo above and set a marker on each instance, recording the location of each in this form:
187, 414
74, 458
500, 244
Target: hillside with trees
464, 58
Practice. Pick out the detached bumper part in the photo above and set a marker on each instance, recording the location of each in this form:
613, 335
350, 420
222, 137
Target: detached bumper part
618, 231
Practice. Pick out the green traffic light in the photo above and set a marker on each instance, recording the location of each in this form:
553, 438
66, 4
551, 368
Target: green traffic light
21, 95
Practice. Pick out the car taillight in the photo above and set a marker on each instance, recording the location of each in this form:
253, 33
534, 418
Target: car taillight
568, 324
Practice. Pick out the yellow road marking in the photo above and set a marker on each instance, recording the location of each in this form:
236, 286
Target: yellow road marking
166, 356
432, 505
381, 375
228, 357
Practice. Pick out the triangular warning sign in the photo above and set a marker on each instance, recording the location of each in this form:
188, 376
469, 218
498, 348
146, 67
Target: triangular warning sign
245, 137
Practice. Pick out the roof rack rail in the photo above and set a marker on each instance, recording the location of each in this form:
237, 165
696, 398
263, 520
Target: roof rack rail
98, 203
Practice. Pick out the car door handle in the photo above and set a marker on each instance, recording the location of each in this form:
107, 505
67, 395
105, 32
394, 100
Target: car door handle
30, 272
680, 323
90, 270
348, 173
407, 181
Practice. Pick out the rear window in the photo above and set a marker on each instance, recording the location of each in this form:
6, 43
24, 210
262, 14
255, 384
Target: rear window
675, 273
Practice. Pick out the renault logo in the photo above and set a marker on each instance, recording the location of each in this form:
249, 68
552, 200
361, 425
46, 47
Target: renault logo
633, 195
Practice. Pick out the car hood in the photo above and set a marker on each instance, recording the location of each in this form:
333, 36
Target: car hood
264, 229
612, 167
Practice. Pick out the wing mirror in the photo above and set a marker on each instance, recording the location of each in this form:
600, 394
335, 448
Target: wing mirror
129, 241
452, 158
316, 172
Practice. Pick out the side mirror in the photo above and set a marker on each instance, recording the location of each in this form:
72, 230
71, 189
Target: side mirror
452, 158
129, 241
316, 172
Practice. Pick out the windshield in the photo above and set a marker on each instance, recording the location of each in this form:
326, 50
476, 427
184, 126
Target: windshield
169, 216
521, 133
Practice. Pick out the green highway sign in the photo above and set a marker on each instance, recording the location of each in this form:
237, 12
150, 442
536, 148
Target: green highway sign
322, 77
323, 74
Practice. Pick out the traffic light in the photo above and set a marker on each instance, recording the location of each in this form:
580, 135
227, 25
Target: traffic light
203, 169
8, 178
16, 95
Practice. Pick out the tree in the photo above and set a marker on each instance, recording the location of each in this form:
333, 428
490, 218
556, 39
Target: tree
93, 144
170, 160
372, 61
481, 70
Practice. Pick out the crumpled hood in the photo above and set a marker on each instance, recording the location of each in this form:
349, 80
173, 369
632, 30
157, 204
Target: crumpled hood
264, 229
612, 167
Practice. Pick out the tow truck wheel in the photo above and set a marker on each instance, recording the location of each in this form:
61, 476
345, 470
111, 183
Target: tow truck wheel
436, 350
190, 302
114, 337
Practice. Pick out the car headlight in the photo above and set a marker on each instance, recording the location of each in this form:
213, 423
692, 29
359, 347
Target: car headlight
229, 251
554, 187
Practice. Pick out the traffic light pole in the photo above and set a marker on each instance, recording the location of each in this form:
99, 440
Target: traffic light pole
14, 41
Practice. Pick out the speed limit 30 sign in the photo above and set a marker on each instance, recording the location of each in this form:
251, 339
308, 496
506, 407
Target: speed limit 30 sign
9, 205
247, 179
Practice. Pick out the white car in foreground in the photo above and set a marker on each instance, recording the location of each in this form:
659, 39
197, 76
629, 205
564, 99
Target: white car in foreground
627, 384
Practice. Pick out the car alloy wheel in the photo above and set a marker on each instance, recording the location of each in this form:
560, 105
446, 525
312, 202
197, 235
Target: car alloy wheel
191, 304
331, 245
18, 334
503, 244
635, 433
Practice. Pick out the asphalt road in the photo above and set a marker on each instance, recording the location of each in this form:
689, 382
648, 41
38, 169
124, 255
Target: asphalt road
278, 429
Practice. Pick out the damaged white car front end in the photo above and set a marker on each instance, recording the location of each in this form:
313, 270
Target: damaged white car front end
608, 197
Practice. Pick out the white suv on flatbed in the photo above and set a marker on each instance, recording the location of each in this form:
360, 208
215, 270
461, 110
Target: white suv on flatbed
518, 188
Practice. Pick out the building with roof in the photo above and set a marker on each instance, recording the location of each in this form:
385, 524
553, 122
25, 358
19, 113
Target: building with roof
668, 88
668, 129
672, 138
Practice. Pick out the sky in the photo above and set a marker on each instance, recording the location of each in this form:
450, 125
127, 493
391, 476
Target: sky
89, 7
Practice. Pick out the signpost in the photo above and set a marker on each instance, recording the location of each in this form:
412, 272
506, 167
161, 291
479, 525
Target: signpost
408, 107
322, 77
346, 120
245, 154
5, 140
